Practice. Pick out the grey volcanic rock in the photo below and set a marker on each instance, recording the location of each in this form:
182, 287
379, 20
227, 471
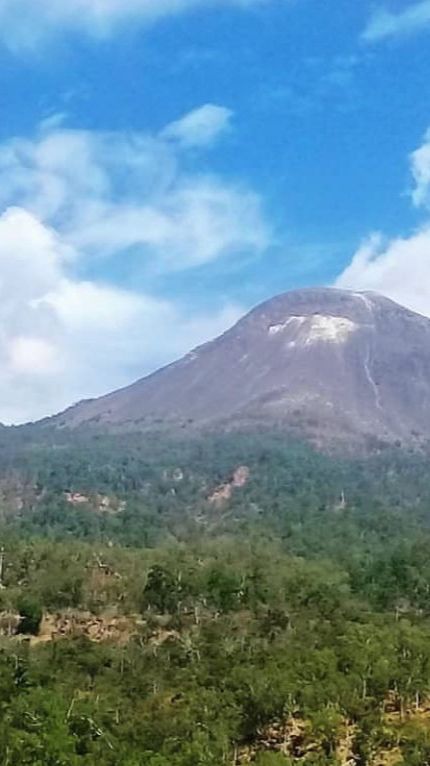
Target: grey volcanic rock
330, 364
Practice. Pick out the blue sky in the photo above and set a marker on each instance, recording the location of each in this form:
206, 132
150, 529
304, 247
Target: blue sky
167, 164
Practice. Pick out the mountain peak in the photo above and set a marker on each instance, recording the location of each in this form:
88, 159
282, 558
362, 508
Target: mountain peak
328, 363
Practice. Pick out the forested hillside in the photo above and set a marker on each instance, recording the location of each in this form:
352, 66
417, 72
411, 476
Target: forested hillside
222, 600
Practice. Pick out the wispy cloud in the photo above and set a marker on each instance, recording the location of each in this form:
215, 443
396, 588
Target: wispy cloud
106, 193
320, 83
385, 24
98, 18
201, 127
68, 198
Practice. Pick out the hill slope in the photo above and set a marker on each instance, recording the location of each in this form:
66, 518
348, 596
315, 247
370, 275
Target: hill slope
326, 363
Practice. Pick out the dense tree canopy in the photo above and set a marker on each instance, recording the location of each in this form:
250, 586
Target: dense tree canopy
148, 621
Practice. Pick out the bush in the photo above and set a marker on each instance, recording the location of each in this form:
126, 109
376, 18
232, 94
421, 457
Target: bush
31, 616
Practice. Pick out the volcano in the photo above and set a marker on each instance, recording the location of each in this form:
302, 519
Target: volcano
325, 363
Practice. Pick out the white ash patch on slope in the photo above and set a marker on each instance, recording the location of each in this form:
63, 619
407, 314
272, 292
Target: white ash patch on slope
330, 328
315, 328
274, 329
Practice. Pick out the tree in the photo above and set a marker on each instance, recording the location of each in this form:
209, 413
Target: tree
31, 613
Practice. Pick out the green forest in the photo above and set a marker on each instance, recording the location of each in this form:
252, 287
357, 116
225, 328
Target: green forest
221, 599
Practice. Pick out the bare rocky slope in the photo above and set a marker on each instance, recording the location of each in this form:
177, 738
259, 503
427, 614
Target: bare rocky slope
326, 363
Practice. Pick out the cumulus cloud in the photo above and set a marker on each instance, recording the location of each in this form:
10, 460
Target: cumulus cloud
399, 268
385, 24
69, 198
98, 18
62, 338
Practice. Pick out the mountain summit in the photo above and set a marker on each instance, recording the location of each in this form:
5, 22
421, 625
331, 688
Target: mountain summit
327, 363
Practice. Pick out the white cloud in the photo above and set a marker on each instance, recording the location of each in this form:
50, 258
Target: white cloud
385, 24
199, 221
400, 268
106, 193
32, 356
62, 339
68, 198
200, 127
420, 166
98, 18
